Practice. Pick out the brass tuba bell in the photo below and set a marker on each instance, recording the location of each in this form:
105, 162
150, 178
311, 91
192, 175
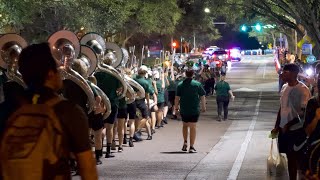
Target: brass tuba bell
11, 46
65, 48
97, 43
89, 57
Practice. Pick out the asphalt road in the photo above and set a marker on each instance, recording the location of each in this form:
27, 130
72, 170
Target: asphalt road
233, 149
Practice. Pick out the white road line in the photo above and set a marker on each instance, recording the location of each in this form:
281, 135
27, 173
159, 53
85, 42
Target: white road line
240, 157
264, 71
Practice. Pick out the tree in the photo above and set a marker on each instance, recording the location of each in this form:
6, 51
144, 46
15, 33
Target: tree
303, 16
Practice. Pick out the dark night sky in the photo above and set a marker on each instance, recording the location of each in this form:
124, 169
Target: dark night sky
232, 38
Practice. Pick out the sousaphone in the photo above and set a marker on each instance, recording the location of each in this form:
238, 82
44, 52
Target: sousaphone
11, 46
97, 43
89, 57
65, 47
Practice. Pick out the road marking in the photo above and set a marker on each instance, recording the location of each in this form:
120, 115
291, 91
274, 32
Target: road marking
240, 157
264, 71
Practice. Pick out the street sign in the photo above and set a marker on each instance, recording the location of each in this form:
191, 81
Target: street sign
307, 49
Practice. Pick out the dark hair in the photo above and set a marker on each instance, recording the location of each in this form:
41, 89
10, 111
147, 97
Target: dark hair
35, 61
292, 68
189, 73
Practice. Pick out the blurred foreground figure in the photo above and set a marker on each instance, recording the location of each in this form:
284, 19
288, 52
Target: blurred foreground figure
44, 129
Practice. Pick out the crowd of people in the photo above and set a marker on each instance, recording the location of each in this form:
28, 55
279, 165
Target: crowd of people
64, 143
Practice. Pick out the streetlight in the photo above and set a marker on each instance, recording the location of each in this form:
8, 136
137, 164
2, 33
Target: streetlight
206, 10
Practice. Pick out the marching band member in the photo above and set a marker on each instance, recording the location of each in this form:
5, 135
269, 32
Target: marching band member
110, 85
140, 103
160, 85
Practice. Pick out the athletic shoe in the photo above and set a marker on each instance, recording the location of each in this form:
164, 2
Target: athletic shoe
192, 150
120, 149
184, 147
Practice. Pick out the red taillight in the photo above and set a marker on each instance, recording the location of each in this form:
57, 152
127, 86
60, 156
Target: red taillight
217, 62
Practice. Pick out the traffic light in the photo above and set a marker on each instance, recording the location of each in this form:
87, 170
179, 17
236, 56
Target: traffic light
244, 28
258, 27
174, 44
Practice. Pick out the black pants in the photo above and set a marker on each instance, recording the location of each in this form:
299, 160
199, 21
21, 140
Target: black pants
209, 86
223, 102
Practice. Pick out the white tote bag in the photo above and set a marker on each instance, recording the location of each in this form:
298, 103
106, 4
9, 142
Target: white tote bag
276, 163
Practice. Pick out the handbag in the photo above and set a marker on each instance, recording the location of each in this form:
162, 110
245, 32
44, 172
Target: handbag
276, 163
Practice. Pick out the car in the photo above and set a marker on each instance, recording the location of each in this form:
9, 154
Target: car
234, 54
209, 51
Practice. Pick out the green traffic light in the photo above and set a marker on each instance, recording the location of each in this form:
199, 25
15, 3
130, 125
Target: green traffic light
258, 27
244, 28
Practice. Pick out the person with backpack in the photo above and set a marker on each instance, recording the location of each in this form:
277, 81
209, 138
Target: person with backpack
44, 129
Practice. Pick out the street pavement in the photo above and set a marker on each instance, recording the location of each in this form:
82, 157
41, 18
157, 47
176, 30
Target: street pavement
233, 149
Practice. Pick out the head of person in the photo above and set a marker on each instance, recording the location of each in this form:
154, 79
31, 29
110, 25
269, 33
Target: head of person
38, 67
156, 75
189, 73
223, 76
290, 72
143, 70
80, 67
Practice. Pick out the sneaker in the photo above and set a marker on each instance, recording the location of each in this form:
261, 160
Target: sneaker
149, 138
136, 137
98, 161
192, 150
131, 143
113, 145
124, 141
120, 149
109, 155
184, 147
219, 118
161, 124
165, 120
153, 131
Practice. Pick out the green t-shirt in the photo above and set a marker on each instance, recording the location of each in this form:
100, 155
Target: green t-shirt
160, 95
109, 85
222, 88
172, 85
122, 103
190, 92
145, 84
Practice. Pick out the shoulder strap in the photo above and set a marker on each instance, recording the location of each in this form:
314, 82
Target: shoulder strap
53, 101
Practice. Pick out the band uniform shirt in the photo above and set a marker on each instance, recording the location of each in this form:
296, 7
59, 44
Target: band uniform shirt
109, 85
145, 84
160, 95
190, 91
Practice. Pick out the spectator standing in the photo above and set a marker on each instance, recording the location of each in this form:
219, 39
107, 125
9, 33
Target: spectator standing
294, 96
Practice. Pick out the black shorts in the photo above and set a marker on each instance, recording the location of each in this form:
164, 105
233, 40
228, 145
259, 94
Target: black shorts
287, 140
171, 96
161, 105
189, 118
166, 98
113, 116
95, 121
132, 109
141, 105
122, 113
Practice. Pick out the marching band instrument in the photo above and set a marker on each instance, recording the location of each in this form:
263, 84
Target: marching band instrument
65, 48
97, 43
11, 46
89, 57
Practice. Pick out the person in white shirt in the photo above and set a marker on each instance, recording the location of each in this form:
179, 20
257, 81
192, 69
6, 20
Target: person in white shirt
294, 96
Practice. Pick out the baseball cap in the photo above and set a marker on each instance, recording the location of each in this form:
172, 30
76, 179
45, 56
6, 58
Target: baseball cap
143, 68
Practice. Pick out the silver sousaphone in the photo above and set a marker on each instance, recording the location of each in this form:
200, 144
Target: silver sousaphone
97, 43
65, 47
89, 57
11, 46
